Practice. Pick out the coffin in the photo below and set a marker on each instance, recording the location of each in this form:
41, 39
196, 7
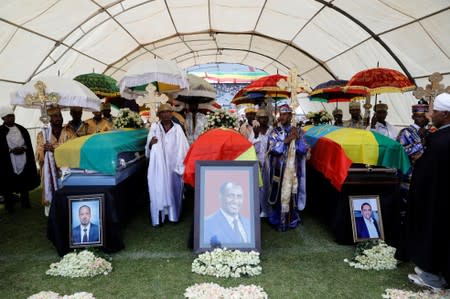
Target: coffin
101, 159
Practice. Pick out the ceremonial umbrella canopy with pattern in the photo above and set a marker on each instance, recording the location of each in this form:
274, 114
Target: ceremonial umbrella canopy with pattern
199, 91
256, 97
162, 72
217, 144
337, 91
334, 149
382, 80
64, 92
101, 85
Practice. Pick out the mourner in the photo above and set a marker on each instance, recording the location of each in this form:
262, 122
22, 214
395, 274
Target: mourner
166, 149
19, 173
337, 115
246, 129
429, 204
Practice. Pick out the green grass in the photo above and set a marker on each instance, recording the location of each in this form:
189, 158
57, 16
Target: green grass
156, 263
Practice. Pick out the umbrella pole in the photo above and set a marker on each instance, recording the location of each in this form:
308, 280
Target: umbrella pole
367, 106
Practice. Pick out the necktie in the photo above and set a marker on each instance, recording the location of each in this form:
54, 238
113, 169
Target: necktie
85, 235
236, 230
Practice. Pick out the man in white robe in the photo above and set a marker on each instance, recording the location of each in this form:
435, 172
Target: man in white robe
195, 122
166, 148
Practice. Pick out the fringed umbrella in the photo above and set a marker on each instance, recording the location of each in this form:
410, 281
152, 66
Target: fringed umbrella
101, 85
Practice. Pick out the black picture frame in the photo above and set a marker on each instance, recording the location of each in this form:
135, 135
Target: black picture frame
78, 207
210, 228
372, 209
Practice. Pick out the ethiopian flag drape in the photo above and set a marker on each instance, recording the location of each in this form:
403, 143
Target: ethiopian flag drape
334, 149
99, 151
217, 144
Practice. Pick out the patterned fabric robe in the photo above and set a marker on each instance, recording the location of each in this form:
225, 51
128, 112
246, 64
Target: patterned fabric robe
278, 152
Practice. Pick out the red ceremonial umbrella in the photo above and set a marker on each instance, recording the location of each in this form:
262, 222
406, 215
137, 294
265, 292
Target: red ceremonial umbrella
382, 80
268, 84
217, 144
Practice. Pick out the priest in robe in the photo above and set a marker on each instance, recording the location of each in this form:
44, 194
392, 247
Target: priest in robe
279, 140
60, 134
166, 149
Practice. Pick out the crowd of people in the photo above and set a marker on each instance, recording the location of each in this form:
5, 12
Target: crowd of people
282, 153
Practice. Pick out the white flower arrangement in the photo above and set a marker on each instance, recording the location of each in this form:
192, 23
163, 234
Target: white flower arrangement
427, 294
212, 290
321, 117
53, 295
373, 255
127, 119
227, 263
220, 119
83, 264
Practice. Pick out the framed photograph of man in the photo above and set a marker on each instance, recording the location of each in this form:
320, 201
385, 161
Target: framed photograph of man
86, 221
365, 212
226, 206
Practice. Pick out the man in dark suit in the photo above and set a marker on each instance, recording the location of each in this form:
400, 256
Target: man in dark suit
86, 232
366, 226
227, 225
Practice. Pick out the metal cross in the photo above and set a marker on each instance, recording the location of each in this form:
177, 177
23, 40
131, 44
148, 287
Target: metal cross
292, 84
43, 99
152, 100
431, 90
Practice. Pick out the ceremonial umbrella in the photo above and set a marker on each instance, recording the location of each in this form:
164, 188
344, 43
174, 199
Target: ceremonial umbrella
334, 149
39, 93
337, 91
154, 70
256, 97
199, 91
100, 84
382, 80
217, 144
65, 92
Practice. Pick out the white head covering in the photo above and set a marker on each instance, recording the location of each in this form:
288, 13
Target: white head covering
442, 102
5, 110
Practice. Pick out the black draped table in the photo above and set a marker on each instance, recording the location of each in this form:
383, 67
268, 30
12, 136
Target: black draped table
333, 206
120, 203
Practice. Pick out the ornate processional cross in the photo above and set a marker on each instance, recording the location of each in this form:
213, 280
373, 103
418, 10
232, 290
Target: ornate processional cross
431, 90
152, 101
43, 99
293, 85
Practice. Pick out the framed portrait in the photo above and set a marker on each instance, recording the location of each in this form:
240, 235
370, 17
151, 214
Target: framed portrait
366, 217
86, 220
226, 206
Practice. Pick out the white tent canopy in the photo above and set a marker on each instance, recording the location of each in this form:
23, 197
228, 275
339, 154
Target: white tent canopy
323, 39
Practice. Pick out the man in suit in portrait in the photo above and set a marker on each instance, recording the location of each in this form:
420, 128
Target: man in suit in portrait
227, 225
366, 226
86, 232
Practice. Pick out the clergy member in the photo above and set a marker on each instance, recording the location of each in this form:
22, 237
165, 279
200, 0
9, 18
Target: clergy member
412, 138
59, 135
79, 127
19, 173
166, 148
279, 140
261, 143
246, 128
356, 120
379, 123
98, 124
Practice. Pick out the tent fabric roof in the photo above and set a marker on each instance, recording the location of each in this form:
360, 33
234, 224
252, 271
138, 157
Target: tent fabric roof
323, 39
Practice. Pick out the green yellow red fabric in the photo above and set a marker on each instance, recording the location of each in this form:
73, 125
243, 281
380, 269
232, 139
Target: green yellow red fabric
99, 151
217, 144
334, 149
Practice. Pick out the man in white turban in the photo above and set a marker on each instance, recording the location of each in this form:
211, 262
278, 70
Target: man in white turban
19, 173
429, 204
